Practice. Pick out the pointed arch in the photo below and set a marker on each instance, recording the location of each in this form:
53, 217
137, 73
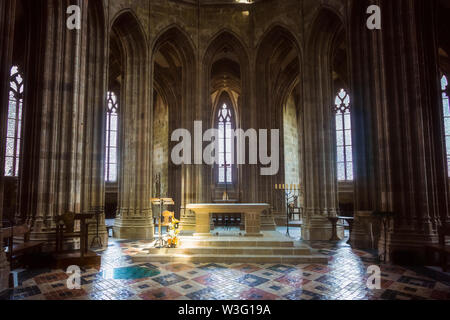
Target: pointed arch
278, 64
226, 55
135, 115
174, 84
225, 68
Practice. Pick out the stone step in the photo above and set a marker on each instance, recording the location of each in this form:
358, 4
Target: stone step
209, 242
288, 251
224, 258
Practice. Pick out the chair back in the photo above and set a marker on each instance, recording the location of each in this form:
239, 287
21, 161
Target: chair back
168, 216
67, 220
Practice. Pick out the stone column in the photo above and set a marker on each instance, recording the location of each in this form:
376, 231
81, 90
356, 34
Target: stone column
51, 173
134, 219
92, 118
411, 131
319, 148
7, 14
367, 93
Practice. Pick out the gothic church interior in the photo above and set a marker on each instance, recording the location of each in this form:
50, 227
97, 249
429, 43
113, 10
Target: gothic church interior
329, 125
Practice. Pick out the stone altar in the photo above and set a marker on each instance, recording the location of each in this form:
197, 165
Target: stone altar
251, 212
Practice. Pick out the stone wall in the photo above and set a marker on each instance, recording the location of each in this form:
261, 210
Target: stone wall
161, 156
291, 143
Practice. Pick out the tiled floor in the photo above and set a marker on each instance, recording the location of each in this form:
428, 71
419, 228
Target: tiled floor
344, 278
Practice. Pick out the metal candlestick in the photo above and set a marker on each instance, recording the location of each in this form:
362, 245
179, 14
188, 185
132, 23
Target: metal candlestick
290, 192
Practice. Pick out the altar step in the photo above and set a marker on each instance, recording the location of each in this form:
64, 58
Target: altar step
223, 258
226, 243
255, 251
272, 248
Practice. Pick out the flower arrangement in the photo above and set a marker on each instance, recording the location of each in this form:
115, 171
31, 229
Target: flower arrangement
173, 239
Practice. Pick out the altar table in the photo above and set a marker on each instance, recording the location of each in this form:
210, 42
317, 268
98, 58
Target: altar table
252, 212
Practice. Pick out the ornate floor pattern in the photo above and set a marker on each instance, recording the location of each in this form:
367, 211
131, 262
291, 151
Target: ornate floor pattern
344, 278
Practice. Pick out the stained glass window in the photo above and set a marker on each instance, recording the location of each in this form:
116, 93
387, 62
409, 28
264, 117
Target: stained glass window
14, 130
445, 102
225, 126
111, 137
344, 137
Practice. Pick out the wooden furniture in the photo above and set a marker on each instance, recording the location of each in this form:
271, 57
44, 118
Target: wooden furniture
350, 221
294, 211
159, 243
441, 248
252, 214
109, 227
223, 219
65, 229
334, 221
167, 216
21, 250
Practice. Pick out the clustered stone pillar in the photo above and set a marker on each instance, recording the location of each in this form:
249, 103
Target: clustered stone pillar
412, 135
400, 163
320, 164
7, 9
91, 121
365, 58
134, 219
63, 106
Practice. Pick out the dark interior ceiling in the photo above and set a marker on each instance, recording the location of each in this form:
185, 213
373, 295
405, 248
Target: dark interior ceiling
218, 2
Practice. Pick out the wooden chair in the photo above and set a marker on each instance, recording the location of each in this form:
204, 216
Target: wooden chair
441, 249
167, 216
65, 229
220, 220
227, 222
20, 251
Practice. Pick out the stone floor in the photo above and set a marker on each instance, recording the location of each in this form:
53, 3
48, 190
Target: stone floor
344, 278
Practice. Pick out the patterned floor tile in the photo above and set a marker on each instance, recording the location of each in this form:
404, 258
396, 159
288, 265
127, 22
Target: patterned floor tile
178, 267
159, 294
204, 294
344, 278
257, 294
293, 280
252, 280
247, 268
169, 279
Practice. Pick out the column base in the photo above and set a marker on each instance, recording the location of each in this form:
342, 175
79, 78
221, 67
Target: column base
4, 273
319, 229
405, 247
134, 229
366, 231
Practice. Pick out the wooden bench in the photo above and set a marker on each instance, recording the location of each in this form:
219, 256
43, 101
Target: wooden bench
16, 251
441, 249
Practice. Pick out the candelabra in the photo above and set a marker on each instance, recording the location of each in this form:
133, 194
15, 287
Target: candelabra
159, 201
288, 193
97, 240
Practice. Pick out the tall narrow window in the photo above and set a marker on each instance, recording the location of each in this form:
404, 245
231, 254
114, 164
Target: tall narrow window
225, 126
14, 134
344, 137
111, 137
445, 102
